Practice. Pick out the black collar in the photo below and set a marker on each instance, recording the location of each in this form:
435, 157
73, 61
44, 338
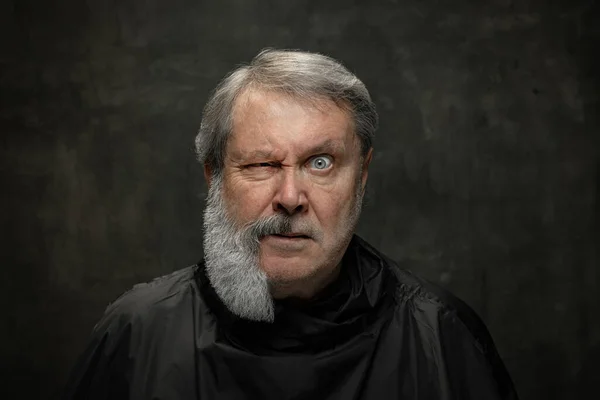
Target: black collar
344, 309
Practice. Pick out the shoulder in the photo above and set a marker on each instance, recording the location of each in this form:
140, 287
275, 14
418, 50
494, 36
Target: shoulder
449, 329
125, 336
428, 302
145, 300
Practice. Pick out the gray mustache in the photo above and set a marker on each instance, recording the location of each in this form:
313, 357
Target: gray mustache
278, 224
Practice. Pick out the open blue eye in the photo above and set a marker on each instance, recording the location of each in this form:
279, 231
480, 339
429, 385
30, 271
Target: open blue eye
321, 162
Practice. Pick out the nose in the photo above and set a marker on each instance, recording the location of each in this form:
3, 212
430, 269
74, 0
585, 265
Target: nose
291, 196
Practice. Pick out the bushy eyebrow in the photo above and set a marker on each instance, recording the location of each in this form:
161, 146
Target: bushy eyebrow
260, 154
329, 146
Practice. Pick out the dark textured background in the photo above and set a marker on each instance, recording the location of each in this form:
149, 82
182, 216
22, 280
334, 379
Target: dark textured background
485, 176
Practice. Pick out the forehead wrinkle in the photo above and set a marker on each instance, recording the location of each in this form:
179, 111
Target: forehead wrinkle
241, 107
244, 105
248, 97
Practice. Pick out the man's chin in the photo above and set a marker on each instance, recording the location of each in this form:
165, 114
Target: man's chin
286, 269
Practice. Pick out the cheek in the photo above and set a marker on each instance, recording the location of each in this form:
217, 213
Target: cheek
334, 208
247, 200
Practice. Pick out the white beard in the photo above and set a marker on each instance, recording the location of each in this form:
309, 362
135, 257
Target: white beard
232, 258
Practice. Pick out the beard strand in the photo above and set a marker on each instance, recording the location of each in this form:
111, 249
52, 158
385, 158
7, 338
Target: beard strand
232, 258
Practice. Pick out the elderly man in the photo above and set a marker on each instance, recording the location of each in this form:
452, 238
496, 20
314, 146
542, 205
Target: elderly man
288, 303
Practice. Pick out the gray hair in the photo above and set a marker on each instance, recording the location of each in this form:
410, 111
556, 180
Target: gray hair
303, 75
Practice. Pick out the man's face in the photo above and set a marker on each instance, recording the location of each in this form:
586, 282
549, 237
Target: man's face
289, 157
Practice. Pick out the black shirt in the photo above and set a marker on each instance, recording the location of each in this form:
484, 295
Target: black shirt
377, 332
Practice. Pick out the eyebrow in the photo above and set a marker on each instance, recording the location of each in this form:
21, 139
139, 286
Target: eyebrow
329, 146
256, 154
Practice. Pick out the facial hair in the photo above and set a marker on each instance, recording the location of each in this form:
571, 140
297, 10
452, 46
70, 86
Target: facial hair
231, 253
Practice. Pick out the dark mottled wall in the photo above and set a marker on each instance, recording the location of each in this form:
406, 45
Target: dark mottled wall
485, 177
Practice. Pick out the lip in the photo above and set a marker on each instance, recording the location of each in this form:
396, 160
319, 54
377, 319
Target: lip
291, 236
287, 244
